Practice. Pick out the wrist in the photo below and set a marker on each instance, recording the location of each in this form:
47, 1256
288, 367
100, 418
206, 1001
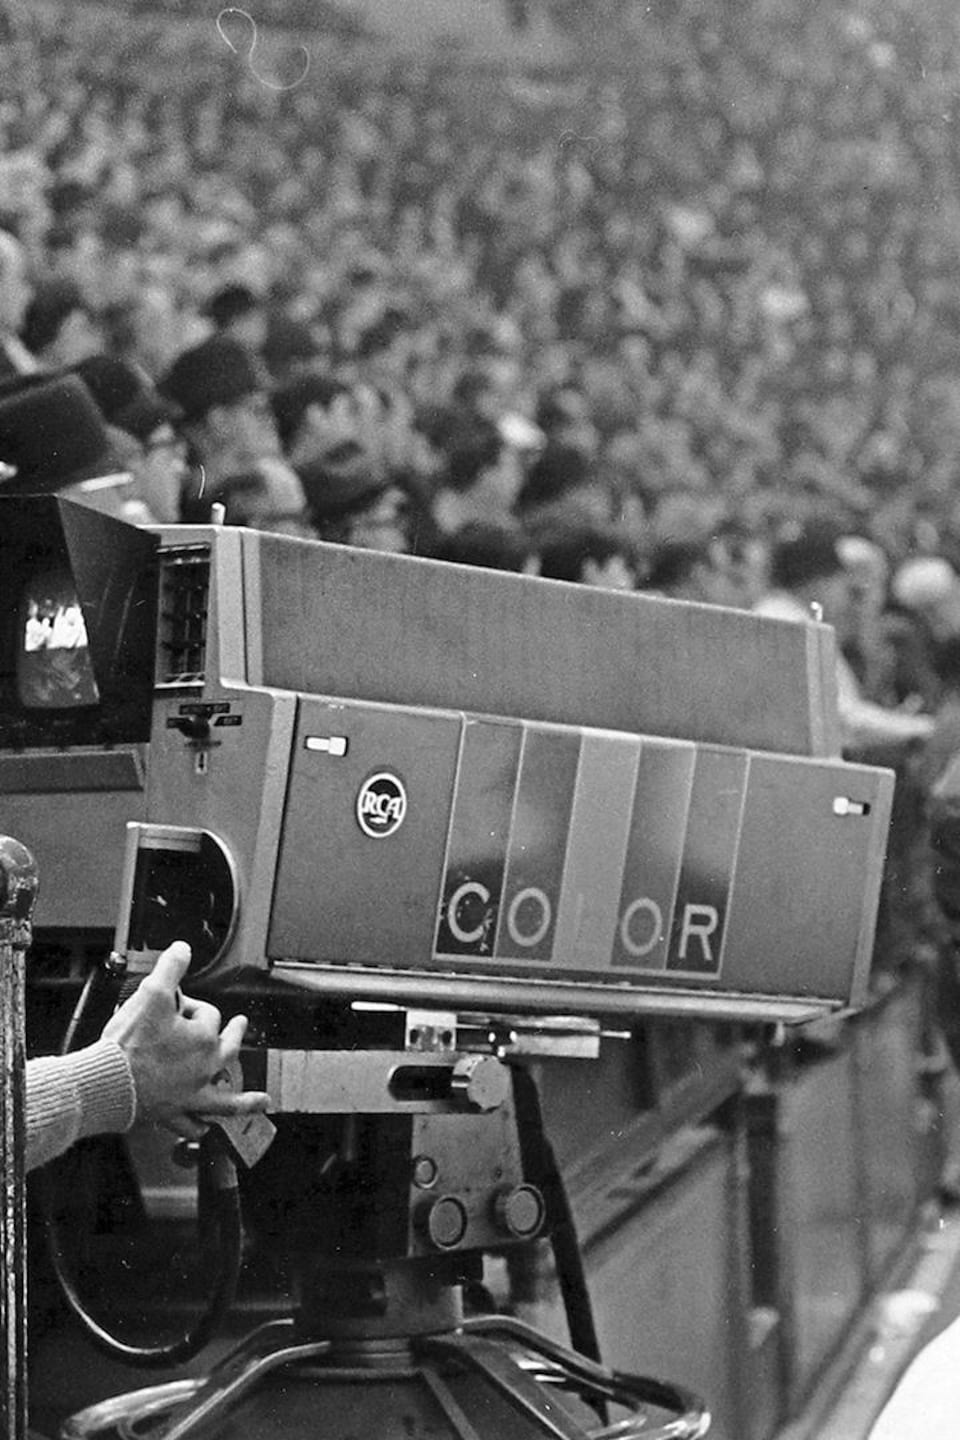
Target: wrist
105, 1087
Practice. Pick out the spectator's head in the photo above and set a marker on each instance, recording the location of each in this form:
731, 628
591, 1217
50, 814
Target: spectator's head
923, 582
130, 402
563, 414
589, 555
560, 488
160, 470
289, 348
868, 570
220, 391
928, 586
58, 325
238, 313
54, 439
126, 396
307, 421
741, 563
948, 663
558, 471
356, 507
806, 561
490, 546
15, 288
480, 480
113, 383
682, 570
381, 349
474, 392
474, 451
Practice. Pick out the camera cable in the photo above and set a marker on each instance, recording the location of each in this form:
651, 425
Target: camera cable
218, 1205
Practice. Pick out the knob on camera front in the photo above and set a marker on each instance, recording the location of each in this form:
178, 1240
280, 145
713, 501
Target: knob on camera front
184, 887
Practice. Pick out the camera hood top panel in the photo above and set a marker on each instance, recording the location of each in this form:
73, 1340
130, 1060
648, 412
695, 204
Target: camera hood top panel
325, 619
340, 621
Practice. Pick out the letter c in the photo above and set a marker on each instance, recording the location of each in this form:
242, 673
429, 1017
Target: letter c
469, 887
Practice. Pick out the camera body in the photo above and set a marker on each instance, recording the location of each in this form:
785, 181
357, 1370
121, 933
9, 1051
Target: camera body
389, 779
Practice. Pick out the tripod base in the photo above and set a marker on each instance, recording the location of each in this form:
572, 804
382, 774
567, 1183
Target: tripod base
491, 1378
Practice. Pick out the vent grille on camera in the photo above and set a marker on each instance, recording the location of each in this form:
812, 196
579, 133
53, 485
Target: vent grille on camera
182, 628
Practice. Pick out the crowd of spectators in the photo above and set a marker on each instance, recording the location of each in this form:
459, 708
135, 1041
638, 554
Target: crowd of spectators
628, 317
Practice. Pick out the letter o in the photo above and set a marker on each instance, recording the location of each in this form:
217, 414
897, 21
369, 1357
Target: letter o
651, 908
532, 892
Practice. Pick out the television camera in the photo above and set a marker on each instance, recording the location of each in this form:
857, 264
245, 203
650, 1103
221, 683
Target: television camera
427, 821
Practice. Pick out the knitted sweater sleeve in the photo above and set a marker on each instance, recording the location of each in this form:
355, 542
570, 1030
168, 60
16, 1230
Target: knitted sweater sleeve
88, 1092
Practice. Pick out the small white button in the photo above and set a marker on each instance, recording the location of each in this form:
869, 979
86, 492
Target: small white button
328, 744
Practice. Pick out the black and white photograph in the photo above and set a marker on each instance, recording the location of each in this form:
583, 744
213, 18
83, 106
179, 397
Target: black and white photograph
480, 719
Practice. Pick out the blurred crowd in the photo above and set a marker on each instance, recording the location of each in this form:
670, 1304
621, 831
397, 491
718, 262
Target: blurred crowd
666, 315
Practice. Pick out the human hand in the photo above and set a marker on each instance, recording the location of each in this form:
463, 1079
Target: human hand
177, 1051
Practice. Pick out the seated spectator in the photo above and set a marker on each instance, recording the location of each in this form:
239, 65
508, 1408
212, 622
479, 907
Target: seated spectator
314, 415
381, 353
928, 586
289, 349
560, 488
491, 546
563, 414
356, 507
741, 563
473, 404
480, 480
58, 325
589, 555
54, 439
15, 294
327, 422
130, 402
160, 470
113, 383
923, 626
228, 421
808, 577
238, 314
474, 397
683, 570
865, 639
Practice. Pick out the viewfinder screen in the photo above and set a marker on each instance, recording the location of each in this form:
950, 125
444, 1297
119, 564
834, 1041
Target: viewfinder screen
54, 666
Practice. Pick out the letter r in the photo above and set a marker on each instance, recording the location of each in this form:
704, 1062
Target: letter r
699, 921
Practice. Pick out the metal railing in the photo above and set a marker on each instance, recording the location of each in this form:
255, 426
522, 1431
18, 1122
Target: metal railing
18, 888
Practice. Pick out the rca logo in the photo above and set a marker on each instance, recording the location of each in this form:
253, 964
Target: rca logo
381, 805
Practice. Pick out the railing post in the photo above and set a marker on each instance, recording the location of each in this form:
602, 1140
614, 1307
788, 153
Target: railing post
18, 889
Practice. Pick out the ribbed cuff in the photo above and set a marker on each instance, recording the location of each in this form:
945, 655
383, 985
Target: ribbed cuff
104, 1081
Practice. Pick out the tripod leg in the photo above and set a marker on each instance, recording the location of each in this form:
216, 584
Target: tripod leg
237, 1373
506, 1376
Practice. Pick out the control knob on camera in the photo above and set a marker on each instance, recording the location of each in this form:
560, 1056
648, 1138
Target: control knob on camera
479, 1082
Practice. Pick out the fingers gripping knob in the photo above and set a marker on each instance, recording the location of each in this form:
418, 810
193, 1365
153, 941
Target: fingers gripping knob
250, 1135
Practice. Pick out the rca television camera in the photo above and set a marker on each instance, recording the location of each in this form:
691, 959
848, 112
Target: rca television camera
389, 779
